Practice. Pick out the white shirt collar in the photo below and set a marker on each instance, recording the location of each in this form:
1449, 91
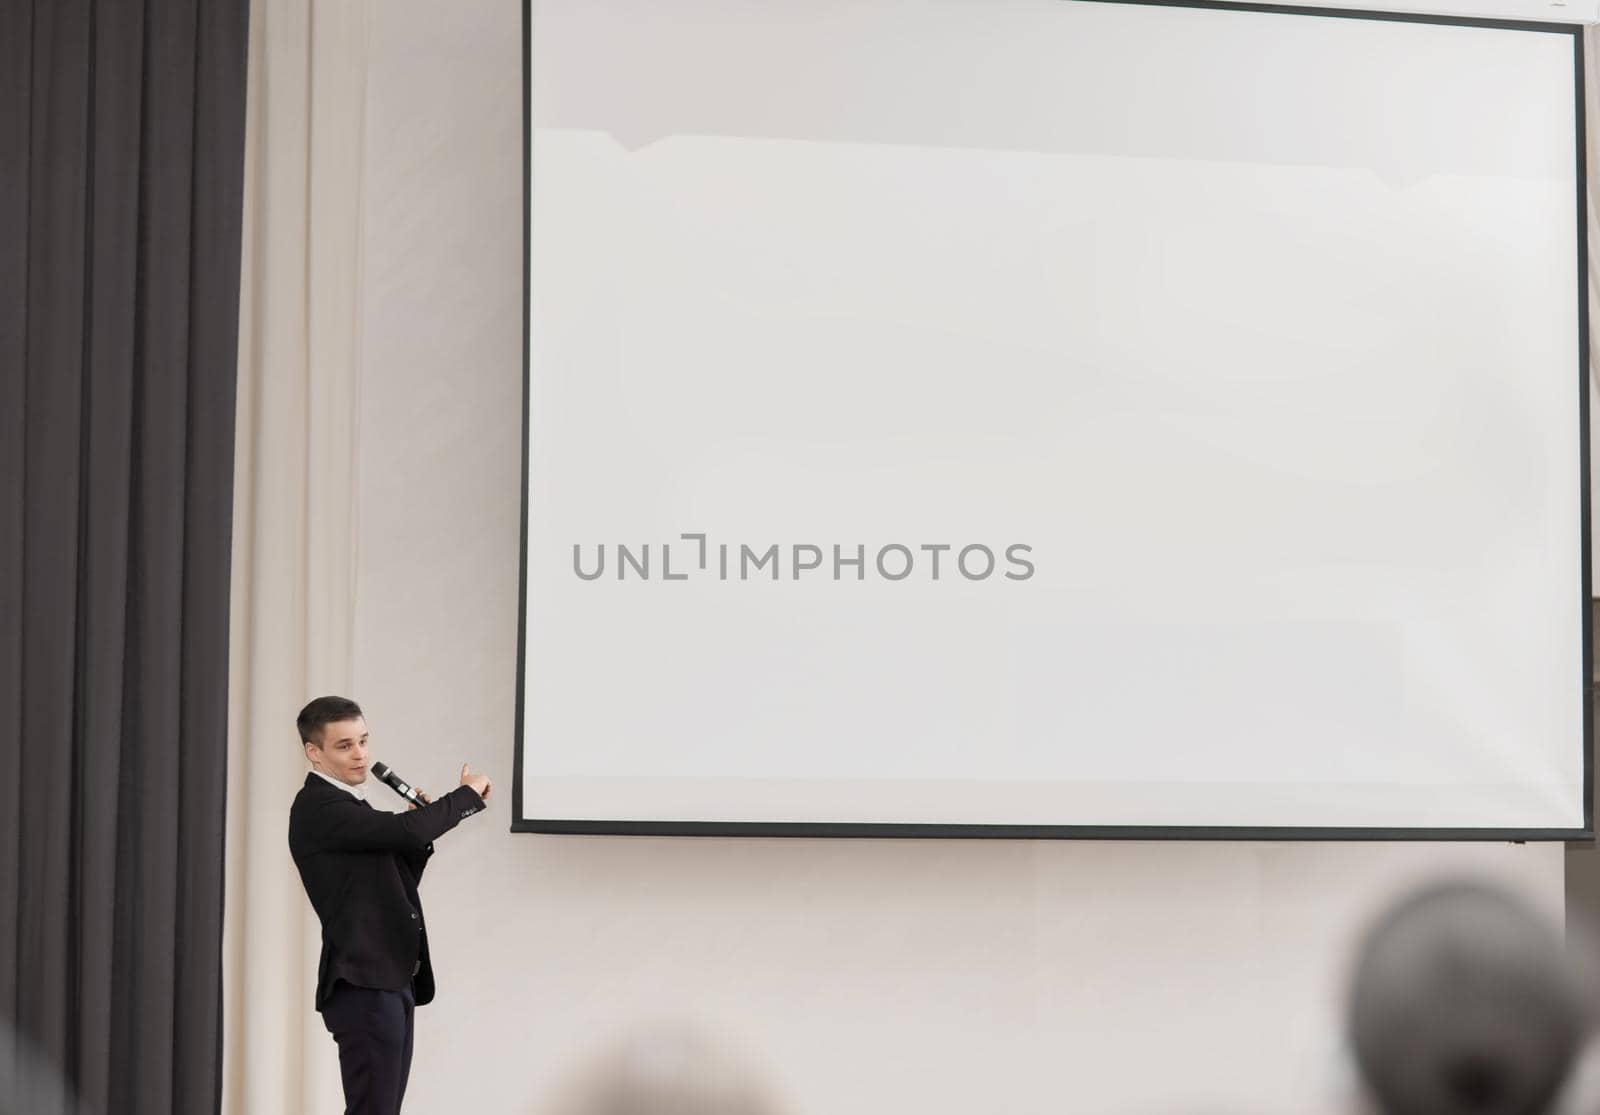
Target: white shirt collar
353, 791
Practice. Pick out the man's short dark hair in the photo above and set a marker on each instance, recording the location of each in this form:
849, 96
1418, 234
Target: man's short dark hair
322, 712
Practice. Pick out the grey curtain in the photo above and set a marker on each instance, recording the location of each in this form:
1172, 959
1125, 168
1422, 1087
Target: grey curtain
121, 170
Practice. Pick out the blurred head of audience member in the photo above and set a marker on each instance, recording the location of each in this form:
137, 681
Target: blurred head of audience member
667, 1069
1464, 1002
29, 1082
1580, 1095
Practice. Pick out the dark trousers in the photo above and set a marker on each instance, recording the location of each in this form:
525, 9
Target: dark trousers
373, 1029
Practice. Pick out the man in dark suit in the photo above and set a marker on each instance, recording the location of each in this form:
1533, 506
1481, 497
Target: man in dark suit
360, 867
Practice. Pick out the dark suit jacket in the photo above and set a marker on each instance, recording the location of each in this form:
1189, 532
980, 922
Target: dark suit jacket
360, 867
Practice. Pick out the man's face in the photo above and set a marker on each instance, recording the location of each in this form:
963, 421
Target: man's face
342, 751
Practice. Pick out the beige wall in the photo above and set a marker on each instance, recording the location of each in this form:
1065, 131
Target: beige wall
869, 977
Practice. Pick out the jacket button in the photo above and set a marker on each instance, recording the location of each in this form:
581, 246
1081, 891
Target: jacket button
413, 915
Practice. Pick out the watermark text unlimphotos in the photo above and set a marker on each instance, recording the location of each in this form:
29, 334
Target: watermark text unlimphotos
696, 558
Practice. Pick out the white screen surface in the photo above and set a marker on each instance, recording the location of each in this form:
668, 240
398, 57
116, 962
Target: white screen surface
1247, 344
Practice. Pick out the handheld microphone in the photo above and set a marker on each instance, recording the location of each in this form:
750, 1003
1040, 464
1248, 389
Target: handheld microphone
399, 785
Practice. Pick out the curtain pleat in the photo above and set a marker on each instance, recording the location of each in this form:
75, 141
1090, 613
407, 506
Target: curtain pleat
221, 59
57, 172
109, 370
16, 105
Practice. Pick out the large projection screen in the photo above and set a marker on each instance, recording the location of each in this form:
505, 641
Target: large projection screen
1052, 418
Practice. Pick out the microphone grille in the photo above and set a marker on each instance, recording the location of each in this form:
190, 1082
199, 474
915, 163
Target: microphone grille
380, 769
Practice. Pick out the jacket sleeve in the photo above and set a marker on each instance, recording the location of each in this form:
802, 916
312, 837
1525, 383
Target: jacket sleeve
349, 826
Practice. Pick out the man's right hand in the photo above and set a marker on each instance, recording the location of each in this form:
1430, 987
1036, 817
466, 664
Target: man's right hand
478, 782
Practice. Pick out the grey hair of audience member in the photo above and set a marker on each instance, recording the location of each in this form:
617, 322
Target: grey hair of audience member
668, 1069
1464, 1003
29, 1083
